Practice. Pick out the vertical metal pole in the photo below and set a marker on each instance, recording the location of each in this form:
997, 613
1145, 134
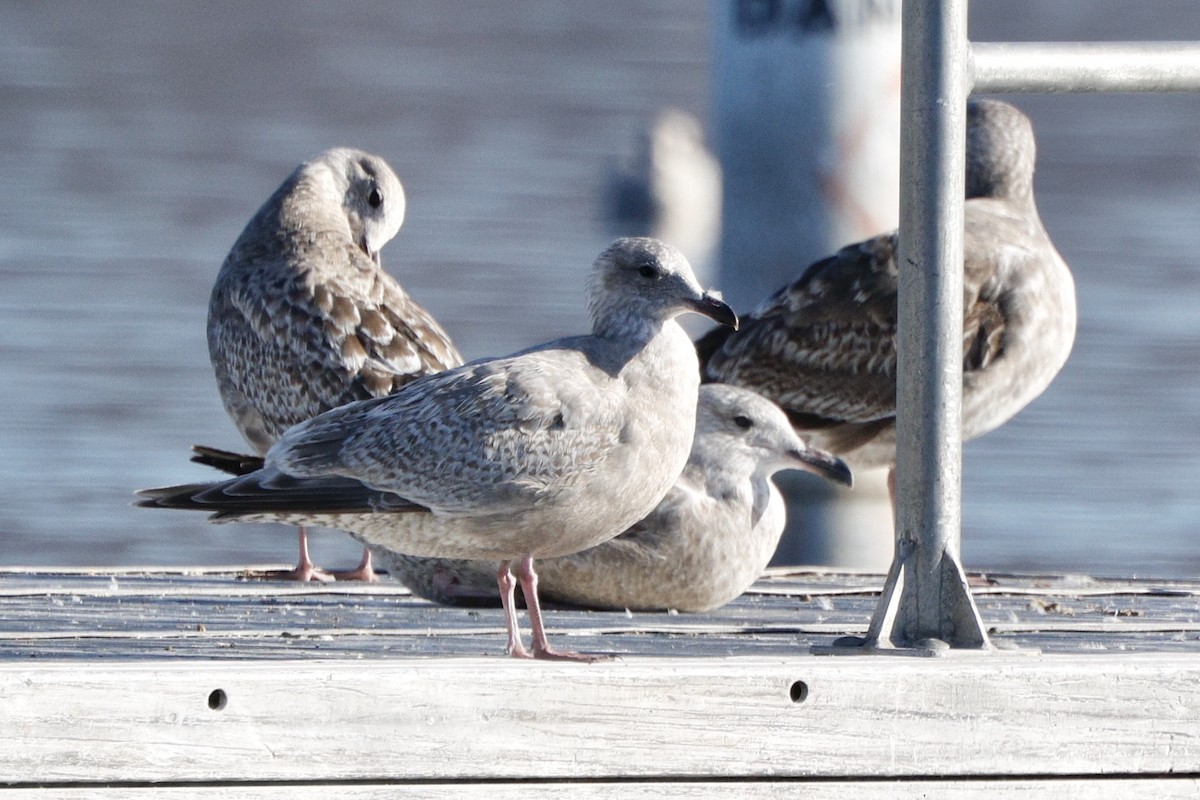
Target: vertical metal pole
926, 603
929, 381
926, 607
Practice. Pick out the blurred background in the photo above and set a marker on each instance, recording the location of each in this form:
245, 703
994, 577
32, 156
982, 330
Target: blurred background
138, 139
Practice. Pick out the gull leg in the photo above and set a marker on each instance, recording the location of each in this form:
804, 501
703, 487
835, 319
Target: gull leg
363, 572
541, 647
508, 597
305, 570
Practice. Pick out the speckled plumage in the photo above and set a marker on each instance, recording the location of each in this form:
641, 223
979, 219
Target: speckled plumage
824, 347
302, 317
705, 542
542, 453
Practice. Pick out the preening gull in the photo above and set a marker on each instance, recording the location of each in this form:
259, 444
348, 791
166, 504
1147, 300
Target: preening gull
539, 454
824, 347
303, 318
706, 541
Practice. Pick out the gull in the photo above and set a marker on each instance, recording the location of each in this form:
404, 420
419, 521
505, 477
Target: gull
539, 454
706, 541
824, 347
302, 317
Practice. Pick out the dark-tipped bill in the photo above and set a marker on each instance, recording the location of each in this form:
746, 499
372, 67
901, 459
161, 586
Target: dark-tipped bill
826, 465
715, 309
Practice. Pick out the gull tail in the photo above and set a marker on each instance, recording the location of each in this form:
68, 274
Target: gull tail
182, 496
226, 460
265, 492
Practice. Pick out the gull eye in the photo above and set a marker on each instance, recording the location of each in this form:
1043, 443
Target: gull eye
743, 422
375, 198
647, 271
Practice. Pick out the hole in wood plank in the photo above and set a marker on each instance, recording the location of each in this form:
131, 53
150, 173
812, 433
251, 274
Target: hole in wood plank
217, 699
798, 692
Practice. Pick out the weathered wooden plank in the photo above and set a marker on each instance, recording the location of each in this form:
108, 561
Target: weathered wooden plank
663, 718
113, 614
108, 674
1182, 788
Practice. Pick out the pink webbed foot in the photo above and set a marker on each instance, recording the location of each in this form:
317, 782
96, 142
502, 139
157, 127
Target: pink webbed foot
541, 646
304, 571
363, 572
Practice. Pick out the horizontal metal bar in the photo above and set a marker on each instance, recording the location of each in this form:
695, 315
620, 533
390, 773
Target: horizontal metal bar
1057, 67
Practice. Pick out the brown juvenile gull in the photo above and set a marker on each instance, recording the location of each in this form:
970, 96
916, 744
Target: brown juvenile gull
706, 541
539, 454
303, 319
824, 347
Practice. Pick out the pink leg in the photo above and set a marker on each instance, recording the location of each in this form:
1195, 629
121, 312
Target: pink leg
363, 572
305, 570
541, 647
508, 597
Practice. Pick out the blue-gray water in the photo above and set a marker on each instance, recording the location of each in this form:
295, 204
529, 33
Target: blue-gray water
139, 138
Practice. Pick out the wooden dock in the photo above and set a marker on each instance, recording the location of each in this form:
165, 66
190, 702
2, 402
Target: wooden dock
139, 683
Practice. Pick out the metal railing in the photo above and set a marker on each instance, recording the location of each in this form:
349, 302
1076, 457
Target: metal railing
926, 605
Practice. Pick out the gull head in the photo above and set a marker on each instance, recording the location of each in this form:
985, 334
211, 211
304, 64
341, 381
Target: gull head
371, 195
1000, 151
734, 423
642, 282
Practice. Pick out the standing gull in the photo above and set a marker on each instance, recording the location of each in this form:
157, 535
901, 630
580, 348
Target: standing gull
539, 454
303, 319
709, 538
824, 347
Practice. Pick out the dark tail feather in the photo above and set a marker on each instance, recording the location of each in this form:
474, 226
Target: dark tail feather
266, 492
226, 461
183, 496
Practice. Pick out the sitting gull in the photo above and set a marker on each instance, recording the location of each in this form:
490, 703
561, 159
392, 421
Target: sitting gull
303, 319
824, 347
540, 454
709, 538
